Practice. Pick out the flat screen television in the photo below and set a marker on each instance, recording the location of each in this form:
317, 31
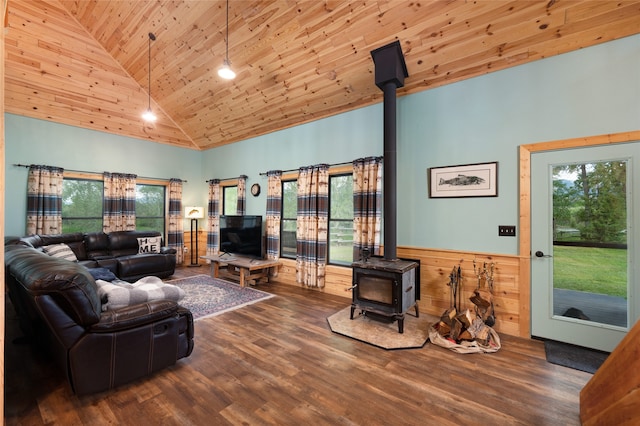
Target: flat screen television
241, 235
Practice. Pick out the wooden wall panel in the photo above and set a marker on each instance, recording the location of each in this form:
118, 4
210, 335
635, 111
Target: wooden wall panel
435, 267
612, 396
2, 210
202, 246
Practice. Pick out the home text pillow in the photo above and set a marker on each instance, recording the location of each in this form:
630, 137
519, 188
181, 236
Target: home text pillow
118, 294
62, 251
149, 245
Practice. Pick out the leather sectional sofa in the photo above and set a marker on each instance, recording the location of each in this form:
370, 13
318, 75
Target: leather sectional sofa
115, 251
60, 311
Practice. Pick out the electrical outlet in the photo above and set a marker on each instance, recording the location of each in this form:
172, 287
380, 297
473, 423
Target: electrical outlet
506, 231
186, 249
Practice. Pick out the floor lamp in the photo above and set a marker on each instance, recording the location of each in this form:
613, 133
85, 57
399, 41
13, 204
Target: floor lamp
194, 213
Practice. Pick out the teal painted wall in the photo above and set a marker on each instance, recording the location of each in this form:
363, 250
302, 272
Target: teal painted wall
31, 141
341, 138
584, 93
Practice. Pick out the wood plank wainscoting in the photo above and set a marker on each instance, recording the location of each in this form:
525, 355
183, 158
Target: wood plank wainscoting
202, 246
435, 267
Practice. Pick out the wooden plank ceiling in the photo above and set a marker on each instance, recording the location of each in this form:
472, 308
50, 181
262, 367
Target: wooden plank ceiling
85, 63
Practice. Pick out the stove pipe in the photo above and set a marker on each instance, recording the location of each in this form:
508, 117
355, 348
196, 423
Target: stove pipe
390, 72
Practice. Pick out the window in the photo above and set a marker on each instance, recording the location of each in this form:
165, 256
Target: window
288, 219
230, 200
341, 219
150, 207
82, 205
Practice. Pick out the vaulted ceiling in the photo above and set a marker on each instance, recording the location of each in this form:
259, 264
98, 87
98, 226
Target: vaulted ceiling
85, 63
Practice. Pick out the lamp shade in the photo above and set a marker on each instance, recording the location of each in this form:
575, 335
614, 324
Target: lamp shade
194, 212
226, 72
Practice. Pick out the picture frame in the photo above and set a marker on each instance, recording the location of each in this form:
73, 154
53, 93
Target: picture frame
466, 180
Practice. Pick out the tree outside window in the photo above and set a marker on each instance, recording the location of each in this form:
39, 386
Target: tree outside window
341, 219
82, 205
288, 219
150, 207
230, 200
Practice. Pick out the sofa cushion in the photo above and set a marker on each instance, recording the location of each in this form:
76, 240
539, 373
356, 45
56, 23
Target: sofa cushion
118, 294
149, 245
97, 245
60, 250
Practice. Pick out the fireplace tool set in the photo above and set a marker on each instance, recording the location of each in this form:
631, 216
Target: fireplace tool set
483, 294
468, 330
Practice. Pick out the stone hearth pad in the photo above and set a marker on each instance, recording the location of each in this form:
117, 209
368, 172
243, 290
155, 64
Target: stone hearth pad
382, 334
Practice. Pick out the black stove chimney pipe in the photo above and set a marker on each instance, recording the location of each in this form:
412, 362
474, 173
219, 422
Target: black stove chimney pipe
390, 72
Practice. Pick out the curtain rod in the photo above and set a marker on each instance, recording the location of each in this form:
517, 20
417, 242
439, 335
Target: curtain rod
94, 173
330, 165
231, 178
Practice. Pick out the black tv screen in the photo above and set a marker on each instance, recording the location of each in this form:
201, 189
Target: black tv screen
241, 235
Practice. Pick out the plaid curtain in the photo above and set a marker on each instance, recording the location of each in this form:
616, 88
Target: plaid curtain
367, 205
44, 200
274, 211
213, 215
119, 202
242, 196
312, 222
175, 237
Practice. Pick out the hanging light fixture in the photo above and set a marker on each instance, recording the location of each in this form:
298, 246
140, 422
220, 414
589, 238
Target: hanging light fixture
148, 115
225, 71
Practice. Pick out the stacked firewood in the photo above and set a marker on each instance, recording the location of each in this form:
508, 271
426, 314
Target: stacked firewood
457, 324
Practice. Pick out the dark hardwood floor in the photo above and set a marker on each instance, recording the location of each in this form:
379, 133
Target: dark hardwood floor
277, 362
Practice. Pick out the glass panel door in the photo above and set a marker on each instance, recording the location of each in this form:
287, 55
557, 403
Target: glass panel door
582, 245
590, 241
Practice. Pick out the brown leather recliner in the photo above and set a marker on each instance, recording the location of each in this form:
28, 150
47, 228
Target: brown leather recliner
58, 306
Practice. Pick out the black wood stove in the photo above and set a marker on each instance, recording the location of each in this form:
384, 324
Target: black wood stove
386, 289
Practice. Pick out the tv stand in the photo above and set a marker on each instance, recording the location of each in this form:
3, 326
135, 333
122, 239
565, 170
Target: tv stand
246, 268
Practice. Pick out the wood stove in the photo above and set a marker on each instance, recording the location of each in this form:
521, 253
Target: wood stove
386, 289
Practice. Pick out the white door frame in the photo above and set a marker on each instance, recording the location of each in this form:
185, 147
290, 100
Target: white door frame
524, 248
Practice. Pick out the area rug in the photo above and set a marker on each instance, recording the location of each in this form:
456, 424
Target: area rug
206, 296
382, 334
572, 356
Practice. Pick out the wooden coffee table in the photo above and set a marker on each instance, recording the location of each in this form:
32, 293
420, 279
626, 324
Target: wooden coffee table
246, 268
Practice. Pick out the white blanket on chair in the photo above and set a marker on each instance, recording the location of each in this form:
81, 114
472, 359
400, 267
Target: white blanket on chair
118, 293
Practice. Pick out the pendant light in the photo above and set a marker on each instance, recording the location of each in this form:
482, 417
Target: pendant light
148, 115
225, 71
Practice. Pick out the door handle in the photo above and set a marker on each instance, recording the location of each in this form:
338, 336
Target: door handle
541, 254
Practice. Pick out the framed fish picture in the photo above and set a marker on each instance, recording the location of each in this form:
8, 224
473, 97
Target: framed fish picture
468, 180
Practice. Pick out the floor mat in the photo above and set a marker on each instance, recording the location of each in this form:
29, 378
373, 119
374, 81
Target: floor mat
576, 357
206, 296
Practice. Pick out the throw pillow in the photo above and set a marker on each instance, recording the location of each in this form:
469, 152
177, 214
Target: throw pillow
62, 251
118, 294
102, 274
149, 245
